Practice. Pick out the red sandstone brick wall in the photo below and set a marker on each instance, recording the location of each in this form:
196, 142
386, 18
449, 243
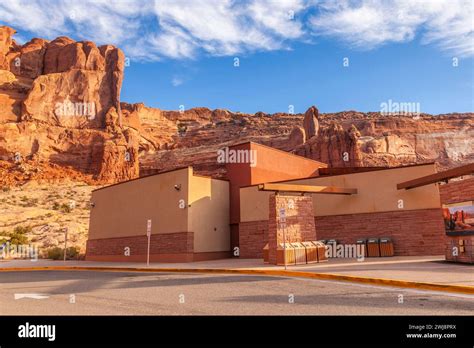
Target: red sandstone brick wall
467, 256
172, 243
300, 226
413, 232
253, 236
457, 191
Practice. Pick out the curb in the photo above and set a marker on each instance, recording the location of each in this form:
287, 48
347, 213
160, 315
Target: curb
463, 289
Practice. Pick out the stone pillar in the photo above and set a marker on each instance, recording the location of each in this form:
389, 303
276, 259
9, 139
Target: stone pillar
300, 225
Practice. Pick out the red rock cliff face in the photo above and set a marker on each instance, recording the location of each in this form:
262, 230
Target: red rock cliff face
47, 90
61, 103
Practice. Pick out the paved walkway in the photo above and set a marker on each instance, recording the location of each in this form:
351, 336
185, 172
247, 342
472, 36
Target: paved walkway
432, 269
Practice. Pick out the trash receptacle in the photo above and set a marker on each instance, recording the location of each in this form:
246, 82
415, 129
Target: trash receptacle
266, 253
311, 252
373, 249
363, 245
290, 254
386, 247
321, 250
300, 253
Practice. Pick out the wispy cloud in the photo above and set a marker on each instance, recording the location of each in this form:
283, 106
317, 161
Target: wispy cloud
176, 81
368, 24
183, 29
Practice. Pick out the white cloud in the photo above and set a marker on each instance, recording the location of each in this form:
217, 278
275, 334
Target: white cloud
176, 81
182, 29
368, 23
152, 30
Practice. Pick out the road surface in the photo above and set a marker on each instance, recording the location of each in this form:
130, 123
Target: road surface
133, 293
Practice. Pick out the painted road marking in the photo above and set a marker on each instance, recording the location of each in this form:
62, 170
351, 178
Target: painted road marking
33, 296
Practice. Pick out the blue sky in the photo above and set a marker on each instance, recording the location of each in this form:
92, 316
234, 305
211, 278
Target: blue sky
307, 75
290, 51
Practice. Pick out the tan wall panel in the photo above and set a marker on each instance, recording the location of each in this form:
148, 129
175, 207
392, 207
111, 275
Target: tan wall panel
209, 199
123, 210
377, 192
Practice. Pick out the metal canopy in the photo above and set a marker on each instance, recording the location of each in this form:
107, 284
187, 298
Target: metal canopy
307, 189
438, 177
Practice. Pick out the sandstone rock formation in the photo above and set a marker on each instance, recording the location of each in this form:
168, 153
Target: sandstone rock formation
334, 145
297, 137
311, 122
6, 46
61, 99
41, 81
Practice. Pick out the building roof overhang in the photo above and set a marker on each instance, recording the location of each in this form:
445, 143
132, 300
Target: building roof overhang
437, 177
307, 189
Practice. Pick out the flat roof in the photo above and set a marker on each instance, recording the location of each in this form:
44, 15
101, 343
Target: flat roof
139, 178
283, 151
347, 170
155, 174
374, 169
307, 189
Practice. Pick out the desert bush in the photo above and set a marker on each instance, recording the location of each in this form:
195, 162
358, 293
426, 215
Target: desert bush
182, 128
57, 253
17, 237
6, 188
22, 229
30, 202
65, 208
56, 206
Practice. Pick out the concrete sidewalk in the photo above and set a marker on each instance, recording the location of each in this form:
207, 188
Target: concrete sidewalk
430, 269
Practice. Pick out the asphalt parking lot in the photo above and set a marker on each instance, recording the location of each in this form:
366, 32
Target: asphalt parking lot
133, 293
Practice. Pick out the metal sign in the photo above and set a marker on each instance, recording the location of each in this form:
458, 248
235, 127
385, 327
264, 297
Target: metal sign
148, 233
282, 214
148, 228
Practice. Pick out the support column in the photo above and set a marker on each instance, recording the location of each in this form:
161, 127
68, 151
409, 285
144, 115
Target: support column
300, 225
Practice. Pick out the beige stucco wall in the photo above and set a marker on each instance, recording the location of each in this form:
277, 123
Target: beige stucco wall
377, 192
123, 210
209, 214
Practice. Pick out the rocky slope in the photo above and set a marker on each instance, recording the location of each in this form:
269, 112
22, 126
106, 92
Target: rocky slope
62, 120
60, 104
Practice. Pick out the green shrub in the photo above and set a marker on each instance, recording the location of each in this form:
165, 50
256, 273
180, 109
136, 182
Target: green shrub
182, 128
57, 253
22, 229
17, 237
65, 208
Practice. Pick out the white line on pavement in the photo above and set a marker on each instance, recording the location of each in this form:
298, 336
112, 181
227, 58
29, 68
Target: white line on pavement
33, 296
